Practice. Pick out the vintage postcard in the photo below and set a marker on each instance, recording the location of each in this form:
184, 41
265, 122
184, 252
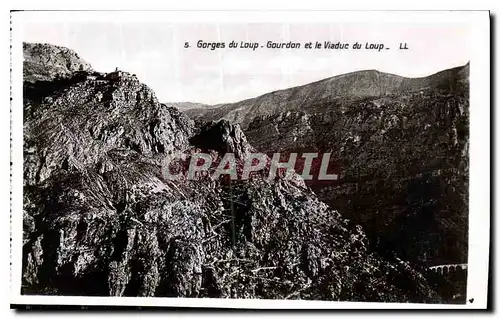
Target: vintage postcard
284, 160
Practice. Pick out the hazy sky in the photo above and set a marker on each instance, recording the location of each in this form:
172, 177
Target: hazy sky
155, 52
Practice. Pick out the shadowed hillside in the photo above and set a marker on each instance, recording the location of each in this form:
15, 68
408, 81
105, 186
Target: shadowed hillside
401, 145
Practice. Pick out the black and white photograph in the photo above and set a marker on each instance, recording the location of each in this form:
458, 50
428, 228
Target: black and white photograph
205, 159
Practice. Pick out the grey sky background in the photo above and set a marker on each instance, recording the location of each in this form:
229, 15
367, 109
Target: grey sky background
155, 53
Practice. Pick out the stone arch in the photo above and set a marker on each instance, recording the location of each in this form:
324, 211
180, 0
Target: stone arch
445, 270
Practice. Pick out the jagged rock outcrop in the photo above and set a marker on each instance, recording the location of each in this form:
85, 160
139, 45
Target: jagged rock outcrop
46, 62
101, 219
222, 137
85, 118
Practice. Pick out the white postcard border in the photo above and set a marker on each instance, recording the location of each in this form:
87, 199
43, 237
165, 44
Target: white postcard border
479, 194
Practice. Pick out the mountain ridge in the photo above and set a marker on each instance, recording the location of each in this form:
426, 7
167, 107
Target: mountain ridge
185, 105
358, 84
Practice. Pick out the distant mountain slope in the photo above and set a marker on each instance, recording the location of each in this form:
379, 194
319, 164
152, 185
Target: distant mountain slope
184, 106
401, 145
355, 85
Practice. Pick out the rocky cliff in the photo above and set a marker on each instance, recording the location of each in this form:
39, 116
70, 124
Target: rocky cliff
45, 62
100, 218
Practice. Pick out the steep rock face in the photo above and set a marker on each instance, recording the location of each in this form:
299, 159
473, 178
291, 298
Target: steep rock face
46, 62
101, 219
401, 145
95, 235
222, 137
78, 125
